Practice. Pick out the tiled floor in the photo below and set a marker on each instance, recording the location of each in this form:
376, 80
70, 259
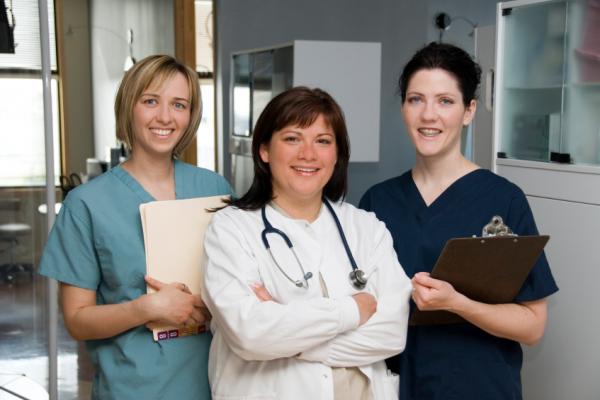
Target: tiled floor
23, 342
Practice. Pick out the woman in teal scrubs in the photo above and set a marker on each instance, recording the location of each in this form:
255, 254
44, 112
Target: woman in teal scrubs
445, 196
96, 249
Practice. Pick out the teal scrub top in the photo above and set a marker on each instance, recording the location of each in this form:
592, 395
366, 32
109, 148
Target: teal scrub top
96, 243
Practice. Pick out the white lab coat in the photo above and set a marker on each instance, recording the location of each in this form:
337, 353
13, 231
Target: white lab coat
284, 349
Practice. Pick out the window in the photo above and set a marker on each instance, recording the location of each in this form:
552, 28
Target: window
22, 160
206, 152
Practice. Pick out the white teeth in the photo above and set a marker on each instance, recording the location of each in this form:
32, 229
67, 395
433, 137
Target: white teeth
305, 169
429, 132
161, 132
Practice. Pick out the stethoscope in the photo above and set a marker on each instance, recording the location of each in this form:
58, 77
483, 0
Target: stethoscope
357, 276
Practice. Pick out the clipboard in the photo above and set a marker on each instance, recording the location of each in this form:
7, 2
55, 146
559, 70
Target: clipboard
486, 269
174, 246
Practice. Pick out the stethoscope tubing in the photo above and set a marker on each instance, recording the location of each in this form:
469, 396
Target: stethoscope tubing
357, 276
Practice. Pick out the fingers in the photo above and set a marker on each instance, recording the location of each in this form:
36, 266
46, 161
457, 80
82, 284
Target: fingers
184, 288
424, 279
261, 292
367, 306
154, 283
158, 285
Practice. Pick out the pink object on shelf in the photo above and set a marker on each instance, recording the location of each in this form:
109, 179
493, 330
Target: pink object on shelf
588, 53
589, 66
591, 34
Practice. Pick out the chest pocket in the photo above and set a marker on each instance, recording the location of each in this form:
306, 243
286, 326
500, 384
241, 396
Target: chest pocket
273, 270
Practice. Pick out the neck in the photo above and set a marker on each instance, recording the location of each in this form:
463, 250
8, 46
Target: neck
441, 169
157, 176
434, 175
299, 208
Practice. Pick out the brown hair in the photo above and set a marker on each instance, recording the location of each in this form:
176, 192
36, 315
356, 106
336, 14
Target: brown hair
298, 106
154, 71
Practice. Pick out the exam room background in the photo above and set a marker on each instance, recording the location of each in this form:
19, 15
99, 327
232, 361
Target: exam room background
402, 26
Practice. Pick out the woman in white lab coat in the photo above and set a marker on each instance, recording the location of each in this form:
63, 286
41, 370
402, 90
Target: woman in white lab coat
307, 296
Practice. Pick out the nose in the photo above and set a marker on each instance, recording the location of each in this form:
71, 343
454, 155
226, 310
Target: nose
307, 151
163, 113
429, 112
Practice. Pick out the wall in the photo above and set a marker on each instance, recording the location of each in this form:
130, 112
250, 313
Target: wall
153, 33
402, 26
269, 22
75, 71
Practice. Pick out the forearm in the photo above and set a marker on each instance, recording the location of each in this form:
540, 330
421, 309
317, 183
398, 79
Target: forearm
524, 323
267, 330
105, 321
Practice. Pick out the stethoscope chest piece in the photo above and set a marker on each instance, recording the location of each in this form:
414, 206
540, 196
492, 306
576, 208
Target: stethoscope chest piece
357, 276
358, 279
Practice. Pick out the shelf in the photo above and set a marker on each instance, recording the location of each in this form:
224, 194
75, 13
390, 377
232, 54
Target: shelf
527, 88
584, 85
578, 168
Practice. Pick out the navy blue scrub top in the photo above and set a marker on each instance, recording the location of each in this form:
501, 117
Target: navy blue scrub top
458, 361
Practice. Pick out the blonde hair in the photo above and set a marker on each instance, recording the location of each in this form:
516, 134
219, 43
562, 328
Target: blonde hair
154, 71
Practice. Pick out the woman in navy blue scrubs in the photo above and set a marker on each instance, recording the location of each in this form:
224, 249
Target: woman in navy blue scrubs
442, 197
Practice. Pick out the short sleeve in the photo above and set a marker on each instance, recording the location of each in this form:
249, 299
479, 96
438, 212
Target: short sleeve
540, 282
69, 255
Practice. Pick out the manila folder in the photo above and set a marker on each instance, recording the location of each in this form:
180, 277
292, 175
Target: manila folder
174, 242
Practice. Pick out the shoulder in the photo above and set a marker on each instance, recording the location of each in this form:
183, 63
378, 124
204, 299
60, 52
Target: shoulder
98, 191
363, 221
389, 185
393, 189
231, 216
498, 182
204, 180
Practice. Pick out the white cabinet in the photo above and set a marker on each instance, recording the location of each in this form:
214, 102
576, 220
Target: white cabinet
349, 71
547, 141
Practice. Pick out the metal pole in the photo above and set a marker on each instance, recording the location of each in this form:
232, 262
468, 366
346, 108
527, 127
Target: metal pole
50, 195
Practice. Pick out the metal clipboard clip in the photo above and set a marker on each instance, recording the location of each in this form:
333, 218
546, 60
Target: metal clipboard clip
496, 227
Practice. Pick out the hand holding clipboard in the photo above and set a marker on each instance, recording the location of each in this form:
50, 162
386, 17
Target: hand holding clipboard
489, 269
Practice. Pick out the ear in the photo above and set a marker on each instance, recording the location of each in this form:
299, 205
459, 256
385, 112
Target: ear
264, 153
470, 112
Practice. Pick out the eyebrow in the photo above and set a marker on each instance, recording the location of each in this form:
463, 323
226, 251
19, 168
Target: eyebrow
156, 95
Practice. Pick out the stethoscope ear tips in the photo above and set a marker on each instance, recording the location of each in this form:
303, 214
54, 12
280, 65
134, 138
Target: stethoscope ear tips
308, 275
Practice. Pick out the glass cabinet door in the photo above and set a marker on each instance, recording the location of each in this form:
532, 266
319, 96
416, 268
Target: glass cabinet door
549, 86
262, 82
532, 69
582, 95
241, 94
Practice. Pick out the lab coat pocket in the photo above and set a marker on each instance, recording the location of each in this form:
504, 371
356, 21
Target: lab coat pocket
391, 385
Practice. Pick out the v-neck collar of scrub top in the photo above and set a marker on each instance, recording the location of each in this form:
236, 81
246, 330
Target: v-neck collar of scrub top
453, 194
139, 190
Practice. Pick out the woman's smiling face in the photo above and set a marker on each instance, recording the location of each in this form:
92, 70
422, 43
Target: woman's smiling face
434, 112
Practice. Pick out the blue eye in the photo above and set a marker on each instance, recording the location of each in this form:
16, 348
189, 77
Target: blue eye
413, 99
446, 101
180, 106
150, 101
